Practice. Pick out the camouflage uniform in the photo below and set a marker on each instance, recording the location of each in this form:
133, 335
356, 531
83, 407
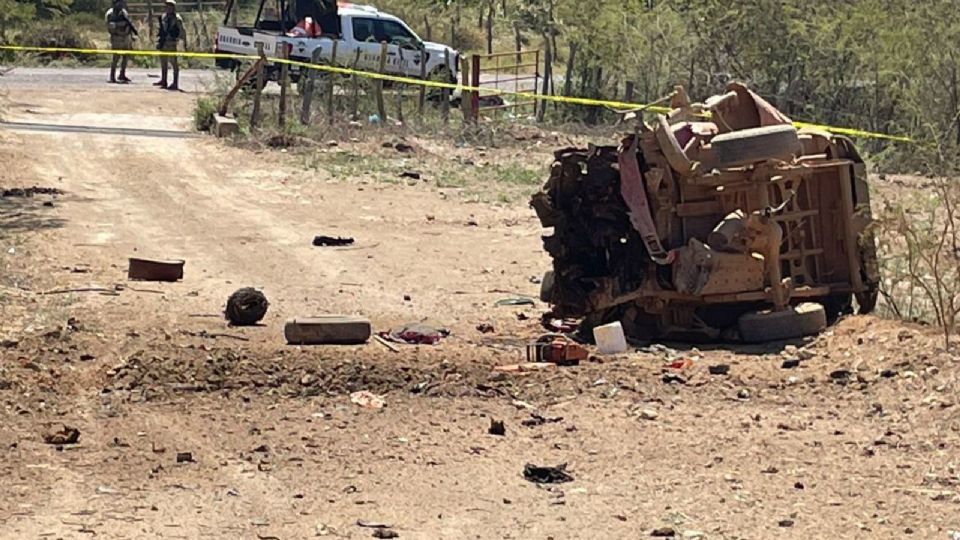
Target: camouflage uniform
121, 33
121, 39
171, 33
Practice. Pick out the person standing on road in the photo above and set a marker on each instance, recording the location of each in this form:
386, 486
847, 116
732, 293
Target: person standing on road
171, 33
122, 33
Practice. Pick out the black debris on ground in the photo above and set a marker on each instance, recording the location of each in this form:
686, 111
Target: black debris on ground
332, 241
546, 475
246, 307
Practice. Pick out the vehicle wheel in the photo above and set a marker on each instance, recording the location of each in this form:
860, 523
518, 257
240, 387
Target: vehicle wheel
803, 320
754, 145
837, 306
546, 286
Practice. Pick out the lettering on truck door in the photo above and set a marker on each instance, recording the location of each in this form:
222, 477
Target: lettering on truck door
365, 37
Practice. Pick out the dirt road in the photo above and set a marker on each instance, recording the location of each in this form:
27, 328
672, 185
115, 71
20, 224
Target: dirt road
860, 441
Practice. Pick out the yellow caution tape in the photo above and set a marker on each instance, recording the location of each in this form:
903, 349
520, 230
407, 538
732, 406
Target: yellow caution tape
431, 84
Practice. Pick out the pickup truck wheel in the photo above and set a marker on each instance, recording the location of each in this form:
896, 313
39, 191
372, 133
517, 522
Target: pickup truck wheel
748, 146
762, 326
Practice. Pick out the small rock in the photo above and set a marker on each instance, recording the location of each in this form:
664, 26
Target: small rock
67, 435
497, 428
185, 457
743, 394
649, 414
785, 523
791, 363
306, 380
664, 532
840, 375
719, 369
798, 485
385, 533
693, 534
673, 378
888, 373
486, 328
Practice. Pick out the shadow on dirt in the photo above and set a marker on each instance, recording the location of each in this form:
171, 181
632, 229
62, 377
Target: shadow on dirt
28, 213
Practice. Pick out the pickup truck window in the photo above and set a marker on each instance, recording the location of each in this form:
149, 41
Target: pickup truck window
364, 29
378, 30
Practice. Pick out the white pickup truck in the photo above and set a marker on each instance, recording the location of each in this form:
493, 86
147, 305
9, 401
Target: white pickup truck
361, 30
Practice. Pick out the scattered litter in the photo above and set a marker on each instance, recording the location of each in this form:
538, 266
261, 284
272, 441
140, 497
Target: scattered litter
546, 475
386, 344
67, 435
154, 270
497, 427
556, 349
416, 334
367, 400
332, 241
719, 369
537, 419
610, 338
246, 307
681, 364
185, 457
563, 326
373, 524
526, 367
518, 301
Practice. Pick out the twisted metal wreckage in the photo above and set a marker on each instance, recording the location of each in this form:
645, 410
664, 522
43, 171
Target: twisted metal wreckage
735, 227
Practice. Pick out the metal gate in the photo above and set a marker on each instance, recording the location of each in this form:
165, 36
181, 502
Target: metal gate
517, 71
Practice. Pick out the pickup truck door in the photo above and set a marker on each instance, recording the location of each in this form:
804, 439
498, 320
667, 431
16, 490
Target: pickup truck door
369, 32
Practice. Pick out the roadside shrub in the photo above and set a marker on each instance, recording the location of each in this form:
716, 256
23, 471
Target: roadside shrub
60, 33
204, 111
919, 236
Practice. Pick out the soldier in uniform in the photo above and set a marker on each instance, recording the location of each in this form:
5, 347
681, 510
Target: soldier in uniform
171, 33
121, 39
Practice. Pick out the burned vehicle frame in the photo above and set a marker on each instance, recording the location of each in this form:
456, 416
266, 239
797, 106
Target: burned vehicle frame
719, 220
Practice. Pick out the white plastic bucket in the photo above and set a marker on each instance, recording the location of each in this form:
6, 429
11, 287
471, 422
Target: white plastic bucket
610, 338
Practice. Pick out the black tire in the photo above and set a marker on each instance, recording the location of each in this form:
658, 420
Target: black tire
748, 146
837, 306
763, 326
546, 287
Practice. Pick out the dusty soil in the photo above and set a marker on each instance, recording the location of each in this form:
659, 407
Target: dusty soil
860, 441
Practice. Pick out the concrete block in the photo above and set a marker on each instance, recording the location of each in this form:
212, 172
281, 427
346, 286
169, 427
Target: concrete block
224, 126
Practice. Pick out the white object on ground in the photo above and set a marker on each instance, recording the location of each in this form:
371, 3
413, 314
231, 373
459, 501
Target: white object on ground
610, 338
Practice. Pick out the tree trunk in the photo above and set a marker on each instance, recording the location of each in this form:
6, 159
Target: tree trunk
490, 28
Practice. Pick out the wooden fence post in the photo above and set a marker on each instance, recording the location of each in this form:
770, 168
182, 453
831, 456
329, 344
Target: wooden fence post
258, 90
332, 87
423, 77
399, 91
284, 86
306, 111
150, 18
445, 93
378, 87
354, 106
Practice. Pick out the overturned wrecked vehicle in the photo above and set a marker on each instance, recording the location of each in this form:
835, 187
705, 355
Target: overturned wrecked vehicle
719, 220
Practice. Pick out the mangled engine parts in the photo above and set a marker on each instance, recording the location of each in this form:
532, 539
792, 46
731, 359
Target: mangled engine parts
736, 227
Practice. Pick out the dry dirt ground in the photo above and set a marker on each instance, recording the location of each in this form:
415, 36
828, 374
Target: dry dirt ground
862, 440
